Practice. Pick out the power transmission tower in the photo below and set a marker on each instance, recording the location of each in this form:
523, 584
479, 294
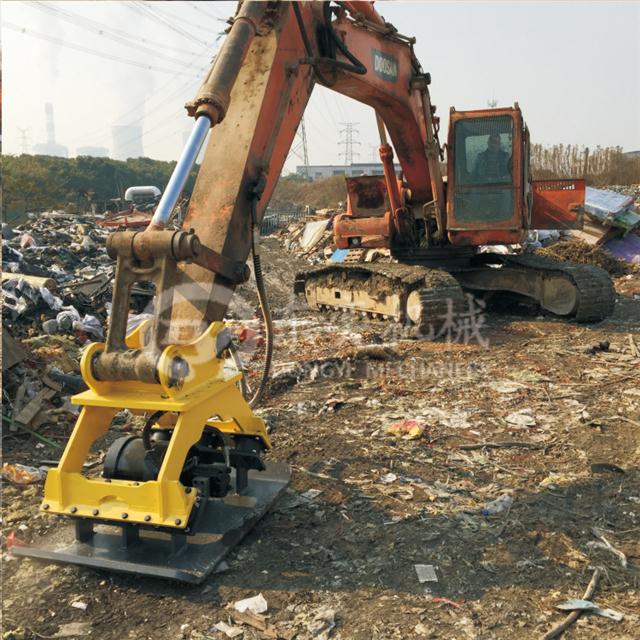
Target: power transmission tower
300, 148
24, 139
492, 104
348, 142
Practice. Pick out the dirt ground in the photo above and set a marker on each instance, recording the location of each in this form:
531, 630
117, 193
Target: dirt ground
511, 405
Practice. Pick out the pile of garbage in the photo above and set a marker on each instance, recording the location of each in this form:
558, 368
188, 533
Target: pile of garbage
612, 221
310, 239
56, 283
572, 250
57, 276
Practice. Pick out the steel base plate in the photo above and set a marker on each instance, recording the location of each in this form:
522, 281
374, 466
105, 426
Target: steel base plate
225, 522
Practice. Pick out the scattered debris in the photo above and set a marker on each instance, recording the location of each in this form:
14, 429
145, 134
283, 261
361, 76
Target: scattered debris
590, 607
408, 429
522, 418
12, 540
323, 623
21, 474
498, 505
426, 573
228, 630
72, 630
604, 467
583, 253
255, 604
559, 629
603, 543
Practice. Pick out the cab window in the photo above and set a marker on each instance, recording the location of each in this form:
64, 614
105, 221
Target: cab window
484, 191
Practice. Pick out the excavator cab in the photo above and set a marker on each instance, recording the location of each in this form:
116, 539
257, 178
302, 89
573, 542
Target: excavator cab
486, 177
491, 197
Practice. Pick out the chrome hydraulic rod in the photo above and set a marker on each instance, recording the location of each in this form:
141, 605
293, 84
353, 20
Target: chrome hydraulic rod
180, 173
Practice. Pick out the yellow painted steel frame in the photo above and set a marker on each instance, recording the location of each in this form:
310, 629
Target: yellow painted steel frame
205, 397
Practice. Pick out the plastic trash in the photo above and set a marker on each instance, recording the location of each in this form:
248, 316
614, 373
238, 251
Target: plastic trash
21, 474
497, 506
12, 540
50, 327
91, 325
67, 317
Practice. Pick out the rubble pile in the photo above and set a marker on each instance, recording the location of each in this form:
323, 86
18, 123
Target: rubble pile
632, 190
56, 285
310, 239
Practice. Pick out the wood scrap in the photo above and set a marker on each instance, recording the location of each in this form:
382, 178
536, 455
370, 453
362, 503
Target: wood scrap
559, 629
502, 445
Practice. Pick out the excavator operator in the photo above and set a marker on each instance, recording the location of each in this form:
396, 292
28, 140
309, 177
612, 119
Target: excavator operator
493, 164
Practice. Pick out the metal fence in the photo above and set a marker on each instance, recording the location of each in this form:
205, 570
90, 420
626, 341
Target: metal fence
276, 219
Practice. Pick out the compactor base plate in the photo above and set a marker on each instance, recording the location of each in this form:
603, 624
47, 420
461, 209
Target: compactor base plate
156, 554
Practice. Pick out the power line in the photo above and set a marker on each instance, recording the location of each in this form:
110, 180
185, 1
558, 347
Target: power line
81, 22
114, 30
77, 47
192, 25
348, 142
103, 131
148, 12
195, 7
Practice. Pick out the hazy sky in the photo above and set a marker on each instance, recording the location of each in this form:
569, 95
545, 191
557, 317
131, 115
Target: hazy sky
574, 67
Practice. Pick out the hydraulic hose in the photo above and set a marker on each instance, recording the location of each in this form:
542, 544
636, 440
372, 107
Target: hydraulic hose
262, 299
355, 67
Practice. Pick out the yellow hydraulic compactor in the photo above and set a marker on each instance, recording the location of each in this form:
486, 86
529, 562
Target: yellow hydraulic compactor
173, 500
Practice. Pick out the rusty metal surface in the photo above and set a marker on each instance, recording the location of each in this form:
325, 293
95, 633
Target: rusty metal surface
372, 232
558, 204
267, 101
213, 96
401, 110
366, 196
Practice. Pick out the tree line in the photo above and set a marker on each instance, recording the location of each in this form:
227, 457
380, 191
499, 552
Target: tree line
38, 183
600, 166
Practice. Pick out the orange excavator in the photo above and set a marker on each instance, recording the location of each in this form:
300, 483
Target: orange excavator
172, 499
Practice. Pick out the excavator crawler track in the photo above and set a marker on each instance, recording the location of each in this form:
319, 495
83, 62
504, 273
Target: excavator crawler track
408, 294
579, 292
596, 295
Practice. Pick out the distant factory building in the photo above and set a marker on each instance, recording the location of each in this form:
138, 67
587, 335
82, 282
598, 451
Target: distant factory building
127, 142
96, 152
315, 171
49, 149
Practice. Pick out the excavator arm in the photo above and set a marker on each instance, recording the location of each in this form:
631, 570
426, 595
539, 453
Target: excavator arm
196, 469
256, 106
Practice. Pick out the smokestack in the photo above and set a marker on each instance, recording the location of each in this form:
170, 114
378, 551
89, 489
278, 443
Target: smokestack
51, 130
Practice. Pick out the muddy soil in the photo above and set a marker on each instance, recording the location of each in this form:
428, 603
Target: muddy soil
570, 418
